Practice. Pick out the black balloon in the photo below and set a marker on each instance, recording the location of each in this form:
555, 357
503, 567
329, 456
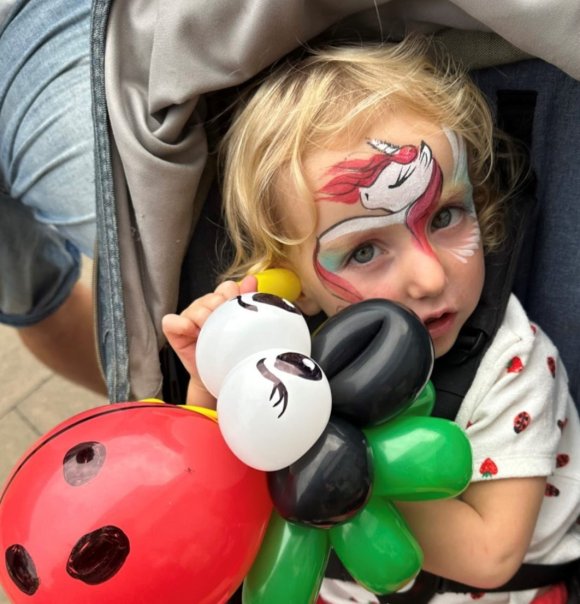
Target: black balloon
377, 356
328, 484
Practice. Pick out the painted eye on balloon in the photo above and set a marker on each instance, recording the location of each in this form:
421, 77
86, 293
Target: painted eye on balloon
299, 365
272, 407
278, 388
231, 334
292, 363
270, 300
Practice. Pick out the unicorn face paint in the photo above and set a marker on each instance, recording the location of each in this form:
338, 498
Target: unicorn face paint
396, 220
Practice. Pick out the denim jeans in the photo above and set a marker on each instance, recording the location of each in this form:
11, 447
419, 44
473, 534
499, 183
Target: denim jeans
47, 190
111, 324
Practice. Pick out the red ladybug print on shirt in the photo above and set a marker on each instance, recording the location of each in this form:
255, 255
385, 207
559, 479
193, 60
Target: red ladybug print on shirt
488, 468
562, 460
551, 490
562, 423
552, 366
521, 421
515, 365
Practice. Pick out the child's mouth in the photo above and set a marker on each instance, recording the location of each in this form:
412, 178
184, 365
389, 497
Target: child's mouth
438, 326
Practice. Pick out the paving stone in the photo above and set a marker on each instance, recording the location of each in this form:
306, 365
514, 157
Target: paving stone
56, 400
20, 372
16, 435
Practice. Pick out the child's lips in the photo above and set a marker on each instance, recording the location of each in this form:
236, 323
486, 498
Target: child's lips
439, 325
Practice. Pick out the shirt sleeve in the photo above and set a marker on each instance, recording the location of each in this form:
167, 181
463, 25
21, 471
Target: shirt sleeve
513, 416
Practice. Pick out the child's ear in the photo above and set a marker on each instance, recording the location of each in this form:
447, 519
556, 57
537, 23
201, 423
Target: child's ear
307, 304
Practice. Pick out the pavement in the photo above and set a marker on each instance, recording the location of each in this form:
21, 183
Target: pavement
32, 400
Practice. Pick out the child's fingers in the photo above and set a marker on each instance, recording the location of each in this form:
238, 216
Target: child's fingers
228, 290
181, 333
248, 284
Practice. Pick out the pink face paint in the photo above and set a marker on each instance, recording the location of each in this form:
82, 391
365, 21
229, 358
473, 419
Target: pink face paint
351, 175
404, 182
334, 283
402, 179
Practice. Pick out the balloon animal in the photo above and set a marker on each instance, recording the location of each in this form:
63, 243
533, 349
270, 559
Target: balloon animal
133, 502
342, 426
148, 502
379, 446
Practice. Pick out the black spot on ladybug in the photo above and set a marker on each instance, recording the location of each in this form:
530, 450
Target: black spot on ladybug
551, 490
298, 364
99, 555
83, 462
521, 421
21, 569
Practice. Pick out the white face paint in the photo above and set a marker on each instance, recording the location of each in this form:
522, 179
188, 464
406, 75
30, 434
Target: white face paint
471, 241
399, 184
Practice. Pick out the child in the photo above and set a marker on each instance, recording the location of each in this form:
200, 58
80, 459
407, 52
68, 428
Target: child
369, 172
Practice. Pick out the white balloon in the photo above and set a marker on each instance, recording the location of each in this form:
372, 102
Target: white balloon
272, 408
242, 326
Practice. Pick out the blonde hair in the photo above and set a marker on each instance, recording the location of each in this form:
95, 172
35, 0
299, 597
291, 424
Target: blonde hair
303, 106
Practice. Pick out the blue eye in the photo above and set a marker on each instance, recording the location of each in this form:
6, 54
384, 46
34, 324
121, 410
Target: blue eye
363, 254
446, 217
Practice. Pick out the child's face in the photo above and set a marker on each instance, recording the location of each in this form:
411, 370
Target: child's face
395, 220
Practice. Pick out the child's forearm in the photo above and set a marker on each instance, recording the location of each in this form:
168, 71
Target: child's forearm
480, 539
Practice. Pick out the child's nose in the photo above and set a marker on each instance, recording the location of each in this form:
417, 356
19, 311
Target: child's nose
425, 275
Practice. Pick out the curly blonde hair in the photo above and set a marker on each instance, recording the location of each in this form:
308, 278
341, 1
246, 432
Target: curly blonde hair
302, 106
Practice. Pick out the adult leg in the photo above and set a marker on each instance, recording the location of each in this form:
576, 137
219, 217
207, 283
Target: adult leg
65, 340
46, 162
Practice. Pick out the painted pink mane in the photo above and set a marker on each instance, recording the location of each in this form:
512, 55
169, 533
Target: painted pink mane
420, 211
356, 173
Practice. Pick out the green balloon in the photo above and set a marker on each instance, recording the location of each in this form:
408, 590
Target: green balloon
419, 458
423, 405
377, 548
290, 565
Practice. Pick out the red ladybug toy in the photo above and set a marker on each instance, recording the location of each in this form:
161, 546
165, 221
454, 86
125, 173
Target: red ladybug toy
133, 502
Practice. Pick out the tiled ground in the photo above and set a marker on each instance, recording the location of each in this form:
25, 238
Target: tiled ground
32, 400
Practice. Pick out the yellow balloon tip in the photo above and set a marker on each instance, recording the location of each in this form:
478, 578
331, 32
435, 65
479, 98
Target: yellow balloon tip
280, 282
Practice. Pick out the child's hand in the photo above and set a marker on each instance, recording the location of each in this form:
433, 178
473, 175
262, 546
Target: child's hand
183, 330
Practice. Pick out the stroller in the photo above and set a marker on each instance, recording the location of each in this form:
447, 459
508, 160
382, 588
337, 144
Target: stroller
160, 234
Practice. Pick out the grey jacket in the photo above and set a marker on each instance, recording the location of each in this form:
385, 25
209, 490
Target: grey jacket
151, 69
